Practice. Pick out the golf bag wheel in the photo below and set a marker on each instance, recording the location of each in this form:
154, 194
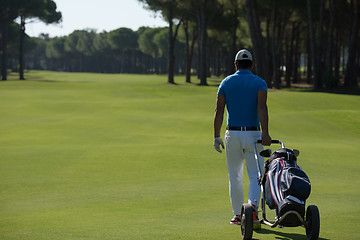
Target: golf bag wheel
313, 222
246, 221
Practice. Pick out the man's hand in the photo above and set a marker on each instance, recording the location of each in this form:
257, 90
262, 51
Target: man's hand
217, 142
265, 139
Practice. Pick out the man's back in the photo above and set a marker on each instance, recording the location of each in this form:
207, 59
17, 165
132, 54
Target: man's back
240, 91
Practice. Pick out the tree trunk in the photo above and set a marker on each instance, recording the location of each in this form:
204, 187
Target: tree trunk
202, 23
21, 52
171, 56
187, 51
275, 45
312, 44
330, 80
337, 55
191, 54
235, 25
309, 62
319, 64
296, 54
351, 72
257, 40
4, 38
270, 43
203, 18
217, 61
290, 57
172, 39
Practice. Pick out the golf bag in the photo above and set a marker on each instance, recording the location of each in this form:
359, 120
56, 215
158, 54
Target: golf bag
286, 186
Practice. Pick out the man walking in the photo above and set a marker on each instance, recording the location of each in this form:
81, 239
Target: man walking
244, 95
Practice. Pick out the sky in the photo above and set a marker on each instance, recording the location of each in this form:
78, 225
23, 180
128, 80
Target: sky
101, 15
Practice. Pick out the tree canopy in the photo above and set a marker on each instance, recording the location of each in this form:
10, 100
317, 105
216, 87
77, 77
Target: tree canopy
45, 10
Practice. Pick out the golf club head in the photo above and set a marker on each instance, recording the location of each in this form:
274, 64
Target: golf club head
296, 152
265, 153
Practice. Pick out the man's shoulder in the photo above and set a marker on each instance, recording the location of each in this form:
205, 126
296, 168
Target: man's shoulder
261, 83
227, 79
230, 76
254, 76
244, 76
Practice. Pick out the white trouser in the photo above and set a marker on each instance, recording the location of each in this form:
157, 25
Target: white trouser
240, 147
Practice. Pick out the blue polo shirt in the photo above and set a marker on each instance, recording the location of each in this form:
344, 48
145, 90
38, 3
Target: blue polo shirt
240, 91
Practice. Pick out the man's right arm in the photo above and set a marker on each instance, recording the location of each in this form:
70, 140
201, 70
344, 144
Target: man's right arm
219, 114
218, 119
263, 117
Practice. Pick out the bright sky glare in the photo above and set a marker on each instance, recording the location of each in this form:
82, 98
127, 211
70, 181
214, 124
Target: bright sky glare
104, 15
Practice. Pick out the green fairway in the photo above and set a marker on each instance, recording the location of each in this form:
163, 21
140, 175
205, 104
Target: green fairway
109, 156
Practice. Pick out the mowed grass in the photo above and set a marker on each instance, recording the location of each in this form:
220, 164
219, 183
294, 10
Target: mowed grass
108, 156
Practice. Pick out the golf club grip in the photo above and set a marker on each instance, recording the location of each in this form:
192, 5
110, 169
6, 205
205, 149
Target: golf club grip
272, 141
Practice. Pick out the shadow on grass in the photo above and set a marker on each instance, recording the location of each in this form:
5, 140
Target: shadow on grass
284, 236
47, 80
215, 82
340, 90
28, 79
211, 82
57, 81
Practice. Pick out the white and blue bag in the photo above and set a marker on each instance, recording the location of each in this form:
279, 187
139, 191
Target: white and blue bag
284, 181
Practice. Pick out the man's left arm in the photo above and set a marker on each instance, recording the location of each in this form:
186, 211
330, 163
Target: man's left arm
263, 117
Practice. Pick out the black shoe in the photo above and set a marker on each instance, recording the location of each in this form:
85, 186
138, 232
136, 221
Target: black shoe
236, 220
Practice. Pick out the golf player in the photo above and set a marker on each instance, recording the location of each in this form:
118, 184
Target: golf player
244, 95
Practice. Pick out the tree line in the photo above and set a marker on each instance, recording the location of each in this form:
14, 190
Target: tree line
118, 51
316, 42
